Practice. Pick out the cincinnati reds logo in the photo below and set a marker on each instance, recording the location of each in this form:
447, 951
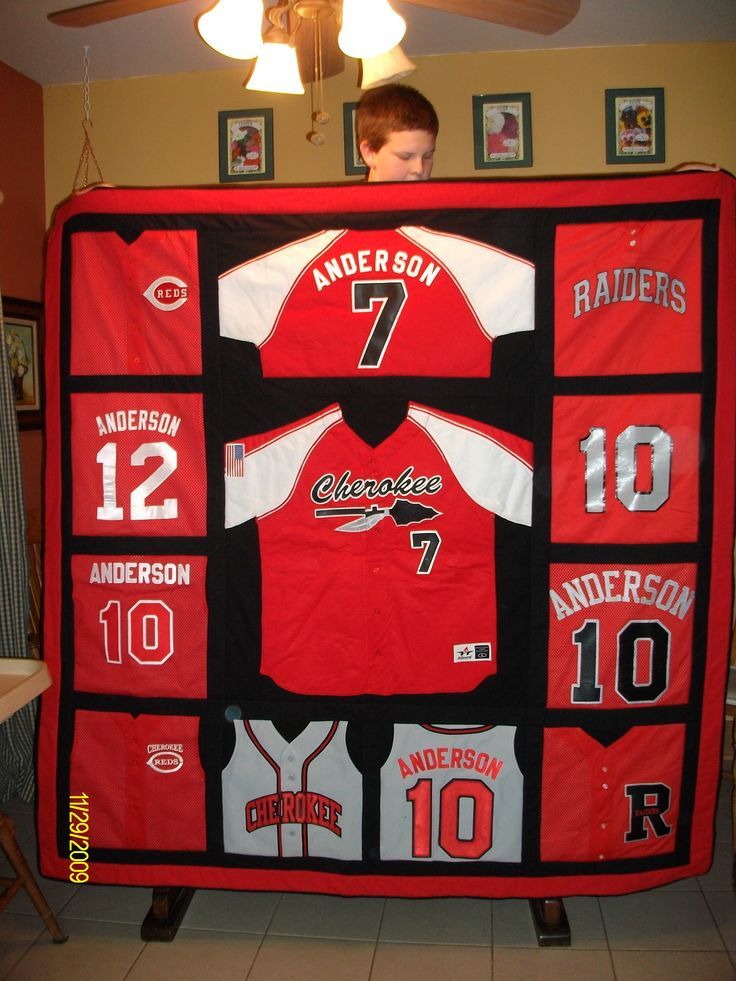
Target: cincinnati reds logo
167, 293
165, 760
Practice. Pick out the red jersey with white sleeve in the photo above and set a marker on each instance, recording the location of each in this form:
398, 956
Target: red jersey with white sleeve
378, 563
404, 301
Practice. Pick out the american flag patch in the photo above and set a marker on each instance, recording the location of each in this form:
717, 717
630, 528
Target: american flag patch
234, 460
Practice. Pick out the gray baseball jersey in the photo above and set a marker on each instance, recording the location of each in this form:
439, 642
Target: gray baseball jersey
292, 799
452, 793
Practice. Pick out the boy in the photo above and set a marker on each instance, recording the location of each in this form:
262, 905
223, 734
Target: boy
396, 129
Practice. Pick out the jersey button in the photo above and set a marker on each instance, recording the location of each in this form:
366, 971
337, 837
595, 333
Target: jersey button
603, 825
601, 857
604, 786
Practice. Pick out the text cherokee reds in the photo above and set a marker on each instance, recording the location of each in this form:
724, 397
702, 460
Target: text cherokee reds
405, 301
378, 569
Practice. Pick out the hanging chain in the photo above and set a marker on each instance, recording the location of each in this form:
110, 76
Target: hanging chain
319, 115
85, 83
81, 178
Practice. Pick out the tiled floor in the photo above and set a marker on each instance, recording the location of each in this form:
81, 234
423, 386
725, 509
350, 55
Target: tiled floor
683, 931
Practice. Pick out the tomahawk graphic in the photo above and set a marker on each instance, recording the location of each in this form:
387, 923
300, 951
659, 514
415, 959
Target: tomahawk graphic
402, 512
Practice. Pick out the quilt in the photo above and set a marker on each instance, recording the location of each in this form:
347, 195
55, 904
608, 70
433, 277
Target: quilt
389, 535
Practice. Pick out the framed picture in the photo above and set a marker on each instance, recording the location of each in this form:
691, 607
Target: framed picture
353, 160
23, 335
634, 126
502, 130
246, 145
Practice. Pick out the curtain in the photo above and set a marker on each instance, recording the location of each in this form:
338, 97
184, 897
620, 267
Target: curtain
16, 734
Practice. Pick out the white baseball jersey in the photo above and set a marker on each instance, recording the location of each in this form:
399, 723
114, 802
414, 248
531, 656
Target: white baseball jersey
378, 569
292, 799
452, 794
405, 301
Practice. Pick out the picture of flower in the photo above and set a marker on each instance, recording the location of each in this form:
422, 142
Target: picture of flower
246, 144
502, 130
634, 125
21, 323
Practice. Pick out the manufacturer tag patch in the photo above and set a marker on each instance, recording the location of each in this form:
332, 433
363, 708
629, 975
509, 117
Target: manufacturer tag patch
471, 652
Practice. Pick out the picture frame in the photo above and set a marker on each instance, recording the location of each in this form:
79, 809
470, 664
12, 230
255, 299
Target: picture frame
23, 339
502, 130
354, 164
246, 145
635, 129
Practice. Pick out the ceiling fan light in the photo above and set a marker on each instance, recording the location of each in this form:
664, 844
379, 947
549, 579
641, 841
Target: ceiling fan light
385, 68
369, 28
233, 27
276, 70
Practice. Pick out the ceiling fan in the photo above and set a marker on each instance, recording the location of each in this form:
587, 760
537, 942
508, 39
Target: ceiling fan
536, 16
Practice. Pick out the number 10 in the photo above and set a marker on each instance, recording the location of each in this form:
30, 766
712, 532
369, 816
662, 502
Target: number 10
627, 467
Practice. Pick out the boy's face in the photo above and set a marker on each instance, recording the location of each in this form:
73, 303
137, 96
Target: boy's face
407, 155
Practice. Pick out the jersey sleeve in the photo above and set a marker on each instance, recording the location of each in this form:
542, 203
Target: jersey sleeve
261, 471
251, 296
494, 468
499, 286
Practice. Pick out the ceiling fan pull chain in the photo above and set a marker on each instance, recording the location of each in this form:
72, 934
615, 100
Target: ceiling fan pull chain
319, 115
81, 178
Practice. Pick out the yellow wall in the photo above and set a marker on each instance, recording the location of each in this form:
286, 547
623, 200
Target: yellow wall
162, 130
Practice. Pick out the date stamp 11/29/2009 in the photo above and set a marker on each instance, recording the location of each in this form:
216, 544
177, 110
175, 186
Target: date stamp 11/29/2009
79, 838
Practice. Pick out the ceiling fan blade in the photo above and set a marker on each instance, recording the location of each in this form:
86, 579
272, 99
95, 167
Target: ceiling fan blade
96, 13
537, 16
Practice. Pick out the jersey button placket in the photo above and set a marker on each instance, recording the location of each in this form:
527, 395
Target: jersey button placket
373, 560
604, 826
133, 328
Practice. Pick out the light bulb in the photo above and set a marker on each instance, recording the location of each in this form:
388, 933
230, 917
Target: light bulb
369, 28
233, 27
276, 70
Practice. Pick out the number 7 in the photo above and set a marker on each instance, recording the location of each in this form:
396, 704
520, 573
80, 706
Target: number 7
391, 295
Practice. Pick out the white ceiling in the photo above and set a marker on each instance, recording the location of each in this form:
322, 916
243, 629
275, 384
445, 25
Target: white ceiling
164, 41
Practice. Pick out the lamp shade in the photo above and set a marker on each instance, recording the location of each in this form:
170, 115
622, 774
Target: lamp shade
369, 28
385, 68
233, 27
276, 70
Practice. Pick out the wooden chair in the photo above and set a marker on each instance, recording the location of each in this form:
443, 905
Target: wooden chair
21, 680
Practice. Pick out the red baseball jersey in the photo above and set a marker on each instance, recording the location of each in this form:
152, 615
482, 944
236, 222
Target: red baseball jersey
620, 636
135, 307
144, 780
378, 569
639, 276
139, 465
405, 301
140, 624
605, 802
626, 468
